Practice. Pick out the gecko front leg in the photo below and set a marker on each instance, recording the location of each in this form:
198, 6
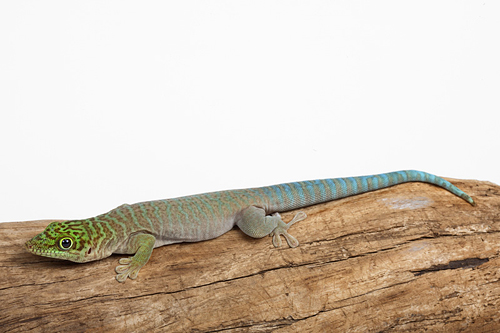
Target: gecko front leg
142, 245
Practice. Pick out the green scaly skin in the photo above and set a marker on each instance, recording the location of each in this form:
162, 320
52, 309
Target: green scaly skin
137, 229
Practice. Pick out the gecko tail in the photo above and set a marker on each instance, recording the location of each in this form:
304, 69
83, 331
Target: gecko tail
424, 177
296, 195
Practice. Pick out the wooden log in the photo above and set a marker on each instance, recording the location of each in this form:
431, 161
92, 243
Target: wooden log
409, 258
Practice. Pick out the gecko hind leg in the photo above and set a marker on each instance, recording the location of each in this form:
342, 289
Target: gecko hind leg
255, 223
282, 228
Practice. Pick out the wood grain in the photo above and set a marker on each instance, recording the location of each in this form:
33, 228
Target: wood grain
408, 258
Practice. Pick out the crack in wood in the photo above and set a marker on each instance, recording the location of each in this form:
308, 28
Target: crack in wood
455, 264
266, 326
429, 321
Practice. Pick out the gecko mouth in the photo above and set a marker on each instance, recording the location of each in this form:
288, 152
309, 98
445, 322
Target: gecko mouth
32, 248
35, 249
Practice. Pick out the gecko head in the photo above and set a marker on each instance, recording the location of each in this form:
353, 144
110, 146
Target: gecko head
68, 240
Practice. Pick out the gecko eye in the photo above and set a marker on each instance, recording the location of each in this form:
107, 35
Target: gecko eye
65, 243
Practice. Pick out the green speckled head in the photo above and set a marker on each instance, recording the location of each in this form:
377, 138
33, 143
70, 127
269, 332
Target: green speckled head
69, 240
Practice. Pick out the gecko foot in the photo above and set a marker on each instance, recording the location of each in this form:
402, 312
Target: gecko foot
128, 268
282, 228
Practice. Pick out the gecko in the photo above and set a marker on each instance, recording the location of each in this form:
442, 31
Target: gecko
139, 228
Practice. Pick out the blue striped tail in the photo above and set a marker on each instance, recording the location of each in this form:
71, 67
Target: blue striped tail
295, 195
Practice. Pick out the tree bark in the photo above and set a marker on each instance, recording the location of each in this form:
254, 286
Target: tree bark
409, 258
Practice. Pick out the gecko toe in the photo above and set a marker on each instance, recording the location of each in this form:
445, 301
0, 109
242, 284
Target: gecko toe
291, 241
121, 277
121, 269
298, 217
276, 239
133, 274
125, 261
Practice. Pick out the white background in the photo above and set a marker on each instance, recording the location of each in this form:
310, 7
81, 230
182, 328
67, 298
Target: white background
111, 102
